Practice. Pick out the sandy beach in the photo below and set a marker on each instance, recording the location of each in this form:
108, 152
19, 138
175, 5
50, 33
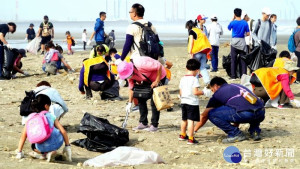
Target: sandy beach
280, 129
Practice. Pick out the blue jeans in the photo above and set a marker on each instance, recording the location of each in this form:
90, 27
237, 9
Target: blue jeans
223, 116
201, 57
214, 57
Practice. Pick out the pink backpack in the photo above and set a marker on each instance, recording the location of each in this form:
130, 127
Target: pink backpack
37, 127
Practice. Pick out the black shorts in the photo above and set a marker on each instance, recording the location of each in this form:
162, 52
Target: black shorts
190, 112
45, 39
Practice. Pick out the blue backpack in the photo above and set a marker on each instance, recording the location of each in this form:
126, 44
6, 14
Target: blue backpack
291, 43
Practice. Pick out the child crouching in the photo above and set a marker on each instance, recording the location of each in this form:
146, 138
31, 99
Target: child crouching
189, 91
56, 134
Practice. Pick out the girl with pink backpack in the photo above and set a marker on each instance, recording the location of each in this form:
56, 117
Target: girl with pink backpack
44, 131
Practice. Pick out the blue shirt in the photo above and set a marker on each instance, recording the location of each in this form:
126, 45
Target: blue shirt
239, 28
229, 95
99, 29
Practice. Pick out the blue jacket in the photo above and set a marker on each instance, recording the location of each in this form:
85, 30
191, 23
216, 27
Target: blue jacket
99, 29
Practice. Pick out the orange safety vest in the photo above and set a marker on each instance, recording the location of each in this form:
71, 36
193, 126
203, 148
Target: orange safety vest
201, 43
168, 73
268, 78
87, 66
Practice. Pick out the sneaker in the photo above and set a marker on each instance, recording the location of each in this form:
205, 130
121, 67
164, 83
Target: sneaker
255, 136
232, 78
152, 129
135, 108
13, 76
36, 155
115, 98
50, 156
213, 70
140, 127
182, 138
297, 82
71, 71
191, 142
237, 138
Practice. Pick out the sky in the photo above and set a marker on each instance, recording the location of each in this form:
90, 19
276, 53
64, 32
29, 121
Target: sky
156, 10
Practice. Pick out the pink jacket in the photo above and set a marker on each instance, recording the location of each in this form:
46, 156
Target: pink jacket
284, 79
148, 67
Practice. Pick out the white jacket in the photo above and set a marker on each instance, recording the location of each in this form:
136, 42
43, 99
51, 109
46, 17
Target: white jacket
214, 31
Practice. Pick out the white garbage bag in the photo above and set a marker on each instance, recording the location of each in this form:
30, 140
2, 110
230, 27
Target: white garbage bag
124, 156
34, 45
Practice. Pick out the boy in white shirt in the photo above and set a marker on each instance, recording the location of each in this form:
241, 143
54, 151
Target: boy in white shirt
189, 91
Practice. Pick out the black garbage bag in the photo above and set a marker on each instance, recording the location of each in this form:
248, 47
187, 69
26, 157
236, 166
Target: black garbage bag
101, 135
226, 62
10, 56
261, 56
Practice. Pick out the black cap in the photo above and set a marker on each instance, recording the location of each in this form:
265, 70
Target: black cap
46, 17
31, 25
22, 52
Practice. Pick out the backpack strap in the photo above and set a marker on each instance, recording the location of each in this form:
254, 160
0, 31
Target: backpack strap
141, 73
259, 23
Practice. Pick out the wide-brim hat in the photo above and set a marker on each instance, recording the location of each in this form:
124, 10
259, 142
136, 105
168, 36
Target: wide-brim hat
290, 66
125, 69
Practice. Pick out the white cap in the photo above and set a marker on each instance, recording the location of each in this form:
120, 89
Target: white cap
213, 17
244, 13
266, 10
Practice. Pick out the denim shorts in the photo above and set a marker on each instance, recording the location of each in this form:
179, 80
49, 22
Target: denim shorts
54, 142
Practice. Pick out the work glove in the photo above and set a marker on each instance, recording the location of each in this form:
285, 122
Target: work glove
274, 47
129, 107
8, 46
207, 92
295, 103
67, 151
26, 73
89, 42
20, 155
25, 39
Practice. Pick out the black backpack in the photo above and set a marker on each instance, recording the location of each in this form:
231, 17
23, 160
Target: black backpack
73, 41
25, 107
149, 44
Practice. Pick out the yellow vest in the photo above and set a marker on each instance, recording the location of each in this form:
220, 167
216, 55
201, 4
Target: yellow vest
268, 78
87, 66
201, 44
114, 68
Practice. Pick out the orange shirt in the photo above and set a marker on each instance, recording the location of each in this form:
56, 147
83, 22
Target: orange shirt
69, 39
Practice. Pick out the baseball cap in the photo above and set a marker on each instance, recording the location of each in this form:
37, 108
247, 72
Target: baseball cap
22, 52
213, 17
201, 17
266, 10
31, 25
46, 17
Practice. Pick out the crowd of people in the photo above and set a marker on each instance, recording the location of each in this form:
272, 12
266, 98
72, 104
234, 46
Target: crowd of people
142, 69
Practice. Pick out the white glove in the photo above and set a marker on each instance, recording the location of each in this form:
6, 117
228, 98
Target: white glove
259, 42
8, 46
118, 61
20, 155
25, 39
295, 103
26, 73
89, 42
129, 107
68, 152
206, 92
274, 47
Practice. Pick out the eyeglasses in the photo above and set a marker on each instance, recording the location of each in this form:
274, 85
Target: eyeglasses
130, 12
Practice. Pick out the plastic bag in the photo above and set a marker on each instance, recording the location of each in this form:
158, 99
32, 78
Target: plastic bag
124, 156
10, 56
101, 135
226, 62
34, 45
162, 98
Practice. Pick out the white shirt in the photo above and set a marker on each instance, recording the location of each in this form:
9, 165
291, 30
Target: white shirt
214, 30
136, 32
187, 85
248, 39
83, 37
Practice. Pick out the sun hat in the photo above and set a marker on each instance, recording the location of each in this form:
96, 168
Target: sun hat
125, 69
290, 66
201, 17
266, 10
22, 52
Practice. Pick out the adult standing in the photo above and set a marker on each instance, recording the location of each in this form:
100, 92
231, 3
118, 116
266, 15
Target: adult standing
134, 32
273, 19
262, 29
112, 38
83, 38
46, 31
248, 39
198, 47
239, 28
4, 29
214, 31
99, 30
145, 70
227, 106
201, 19
30, 33
297, 42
